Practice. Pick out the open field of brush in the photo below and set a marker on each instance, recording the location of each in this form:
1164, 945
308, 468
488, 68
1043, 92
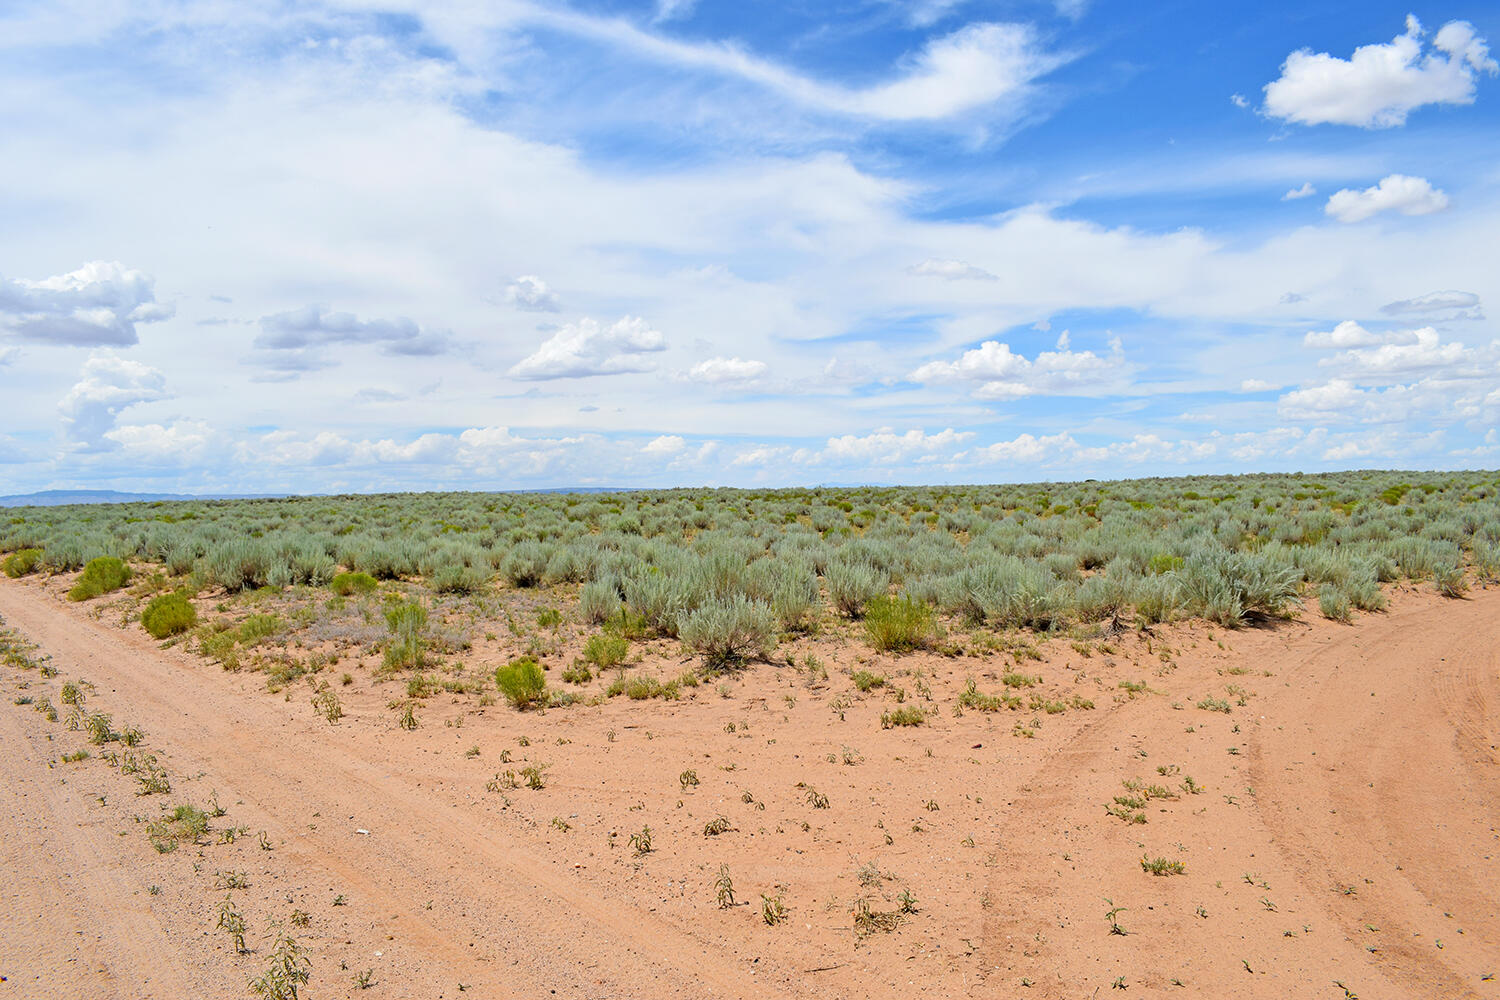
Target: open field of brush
1230, 737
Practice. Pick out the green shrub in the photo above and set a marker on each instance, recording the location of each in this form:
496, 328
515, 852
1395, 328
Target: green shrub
898, 624
346, 584
18, 564
522, 682
458, 580
100, 576
866, 681
606, 650
406, 623
168, 615
598, 602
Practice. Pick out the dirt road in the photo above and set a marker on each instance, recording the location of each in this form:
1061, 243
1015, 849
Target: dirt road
1348, 828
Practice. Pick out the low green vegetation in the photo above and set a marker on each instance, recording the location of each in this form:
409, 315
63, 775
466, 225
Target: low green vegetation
169, 614
523, 683
21, 562
100, 576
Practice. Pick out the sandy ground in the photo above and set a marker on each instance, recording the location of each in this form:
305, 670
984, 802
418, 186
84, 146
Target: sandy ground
1346, 830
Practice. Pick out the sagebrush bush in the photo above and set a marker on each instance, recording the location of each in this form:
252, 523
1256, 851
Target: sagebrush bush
523, 682
598, 602
851, 584
100, 576
168, 615
19, 564
898, 624
406, 624
729, 630
1333, 603
346, 584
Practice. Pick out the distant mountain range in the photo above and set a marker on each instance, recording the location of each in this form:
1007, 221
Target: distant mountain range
59, 498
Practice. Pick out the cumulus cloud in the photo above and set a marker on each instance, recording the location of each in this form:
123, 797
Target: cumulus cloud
724, 371
1380, 84
532, 294
1424, 351
1346, 334
586, 348
97, 305
1305, 191
1026, 449
886, 447
182, 443
1395, 193
951, 270
666, 444
107, 386
997, 372
316, 326
1434, 302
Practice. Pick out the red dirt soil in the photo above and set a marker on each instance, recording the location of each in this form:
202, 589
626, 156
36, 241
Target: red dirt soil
1347, 831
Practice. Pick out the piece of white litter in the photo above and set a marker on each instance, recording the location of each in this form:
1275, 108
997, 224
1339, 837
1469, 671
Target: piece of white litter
365, 833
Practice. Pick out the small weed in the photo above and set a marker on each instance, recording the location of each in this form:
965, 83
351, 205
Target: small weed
724, 888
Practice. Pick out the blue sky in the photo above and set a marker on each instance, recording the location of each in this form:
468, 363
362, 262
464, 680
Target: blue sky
256, 247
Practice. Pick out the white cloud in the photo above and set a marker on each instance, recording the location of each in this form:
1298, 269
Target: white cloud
1424, 352
1238, 100
1003, 374
316, 326
1025, 449
182, 443
108, 385
978, 65
721, 371
1346, 334
673, 10
886, 447
952, 270
1433, 302
97, 305
532, 294
585, 348
1397, 192
666, 444
1257, 385
1380, 84
1305, 191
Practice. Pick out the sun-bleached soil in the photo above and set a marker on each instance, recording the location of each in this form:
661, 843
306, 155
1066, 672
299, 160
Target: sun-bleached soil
1345, 827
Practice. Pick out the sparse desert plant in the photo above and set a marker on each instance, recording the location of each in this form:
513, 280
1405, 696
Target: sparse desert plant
772, 909
326, 703
523, 682
898, 624
724, 888
169, 614
641, 842
1162, 866
231, 922
866, 681
908, 715
1113, 916
184, 824
716, 826
100, 576
289, 967
688, 779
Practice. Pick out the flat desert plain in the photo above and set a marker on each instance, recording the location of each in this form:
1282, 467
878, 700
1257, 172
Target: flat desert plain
1301, 808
